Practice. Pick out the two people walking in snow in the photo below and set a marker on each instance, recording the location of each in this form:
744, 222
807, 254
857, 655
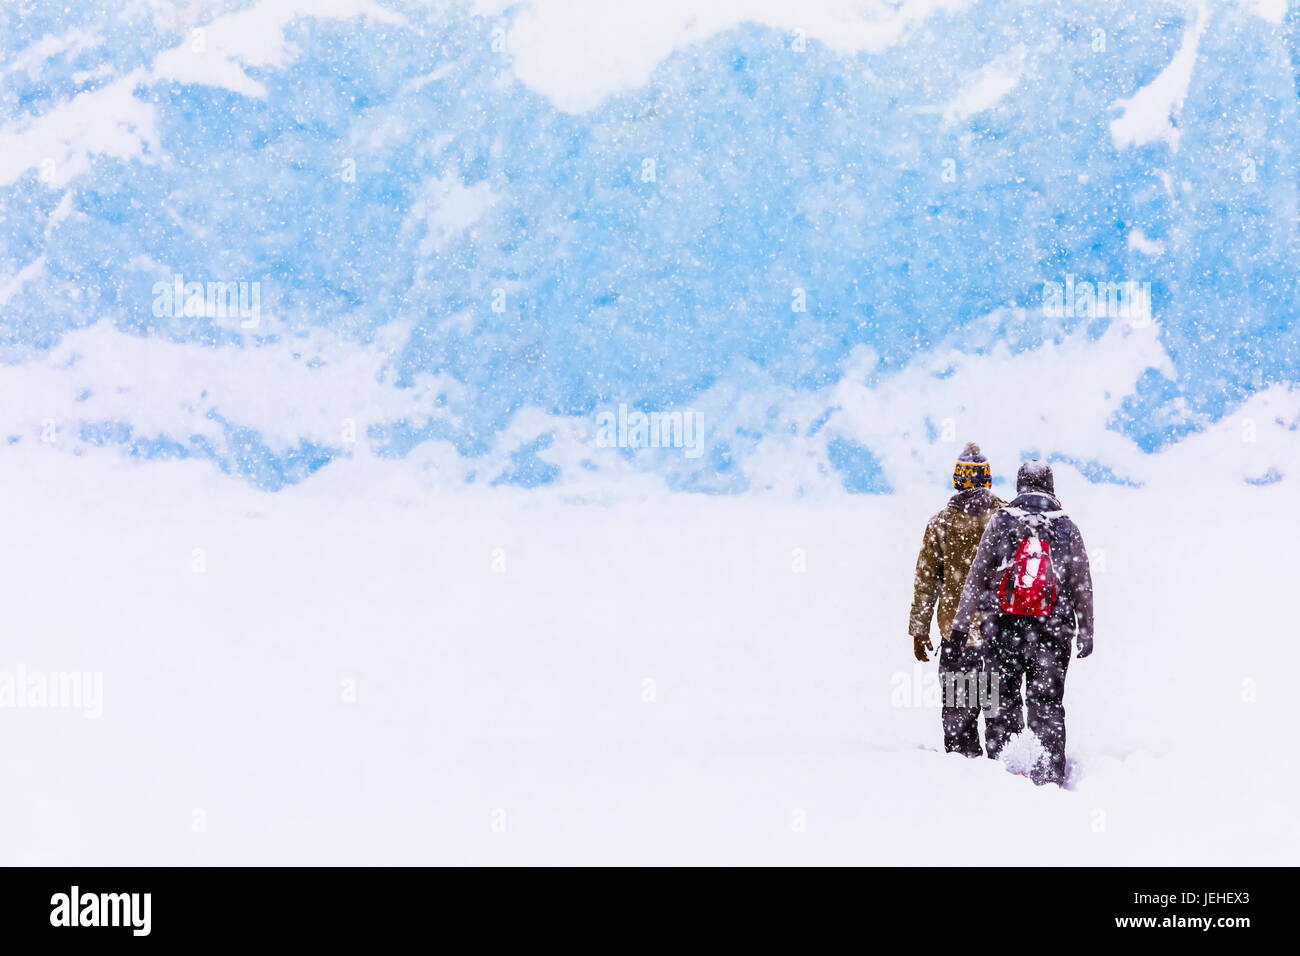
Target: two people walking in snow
1013, 590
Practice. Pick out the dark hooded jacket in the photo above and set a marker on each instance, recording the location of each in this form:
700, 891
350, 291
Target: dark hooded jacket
1036, 502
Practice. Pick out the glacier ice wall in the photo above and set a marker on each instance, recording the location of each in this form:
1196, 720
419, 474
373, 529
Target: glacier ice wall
735, 234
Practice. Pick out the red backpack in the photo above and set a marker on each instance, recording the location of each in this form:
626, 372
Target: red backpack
1029, 586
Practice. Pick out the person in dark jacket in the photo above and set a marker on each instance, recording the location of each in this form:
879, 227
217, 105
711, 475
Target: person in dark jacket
1023, 647
947, 549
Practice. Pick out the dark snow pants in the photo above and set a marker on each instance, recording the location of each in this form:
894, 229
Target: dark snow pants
960, 673
1037, 651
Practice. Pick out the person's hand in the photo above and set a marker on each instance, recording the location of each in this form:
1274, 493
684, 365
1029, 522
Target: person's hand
1085, 645
920, 645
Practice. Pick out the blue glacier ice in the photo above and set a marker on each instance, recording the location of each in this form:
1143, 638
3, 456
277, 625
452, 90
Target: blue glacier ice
585, 284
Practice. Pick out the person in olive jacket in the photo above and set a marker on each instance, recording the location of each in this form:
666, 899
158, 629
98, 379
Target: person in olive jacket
947, 550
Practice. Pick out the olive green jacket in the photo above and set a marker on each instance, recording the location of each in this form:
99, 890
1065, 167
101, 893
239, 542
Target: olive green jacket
947, 550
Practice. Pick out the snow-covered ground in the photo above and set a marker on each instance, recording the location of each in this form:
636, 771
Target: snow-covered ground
406, 675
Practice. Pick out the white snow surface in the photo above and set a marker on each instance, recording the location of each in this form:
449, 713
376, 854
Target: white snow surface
501, 643
580, 52
1147, 116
